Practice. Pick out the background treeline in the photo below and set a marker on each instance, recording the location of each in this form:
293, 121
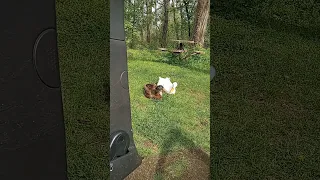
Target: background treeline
154, 23
300, 16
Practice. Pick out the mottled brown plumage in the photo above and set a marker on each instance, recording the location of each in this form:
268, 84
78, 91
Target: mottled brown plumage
152, 91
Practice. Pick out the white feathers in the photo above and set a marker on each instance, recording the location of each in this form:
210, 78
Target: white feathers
168, 87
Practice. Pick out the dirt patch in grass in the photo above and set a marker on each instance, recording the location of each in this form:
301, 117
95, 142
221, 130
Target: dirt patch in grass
204, 122
141, 107
150, 145
200, 97
186, 164
201, 125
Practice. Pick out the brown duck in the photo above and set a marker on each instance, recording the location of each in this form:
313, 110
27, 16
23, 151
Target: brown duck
152, 91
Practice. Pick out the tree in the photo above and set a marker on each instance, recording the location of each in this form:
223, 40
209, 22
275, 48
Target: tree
133, 23
181, 18
148, 6
175, 19
186, 5
165, 23
150, 23
201, 20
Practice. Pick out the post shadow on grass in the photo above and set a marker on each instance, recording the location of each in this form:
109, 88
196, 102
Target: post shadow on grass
176, 137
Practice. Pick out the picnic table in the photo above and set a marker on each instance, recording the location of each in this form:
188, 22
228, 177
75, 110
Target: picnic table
181, 45
180, 48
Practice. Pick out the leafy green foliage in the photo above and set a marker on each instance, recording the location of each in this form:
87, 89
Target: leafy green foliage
137, 20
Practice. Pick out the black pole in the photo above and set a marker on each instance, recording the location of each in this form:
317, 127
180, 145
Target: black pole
123, 155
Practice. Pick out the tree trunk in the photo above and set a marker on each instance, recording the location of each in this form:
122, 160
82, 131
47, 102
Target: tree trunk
142, 20
165, 24
175, 19
186, 4
133, 24
201, 20
156, 32
148, 22
156, 13
182, 19
141, 35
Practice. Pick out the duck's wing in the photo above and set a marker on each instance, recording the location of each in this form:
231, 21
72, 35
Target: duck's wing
168, 81
157, 96
146, 86
149, 87
169, 84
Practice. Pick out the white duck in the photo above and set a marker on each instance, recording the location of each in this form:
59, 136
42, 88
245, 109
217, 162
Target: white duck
168, 87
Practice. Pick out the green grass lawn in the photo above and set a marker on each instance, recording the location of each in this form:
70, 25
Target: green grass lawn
177, 122
83, 43
265, 103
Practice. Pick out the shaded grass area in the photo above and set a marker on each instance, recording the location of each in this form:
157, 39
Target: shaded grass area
265, 103
83, 42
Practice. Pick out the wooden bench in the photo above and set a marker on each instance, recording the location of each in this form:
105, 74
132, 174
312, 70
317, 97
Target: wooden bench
162, 49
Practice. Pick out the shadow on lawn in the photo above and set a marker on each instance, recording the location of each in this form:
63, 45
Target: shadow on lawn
177, 138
